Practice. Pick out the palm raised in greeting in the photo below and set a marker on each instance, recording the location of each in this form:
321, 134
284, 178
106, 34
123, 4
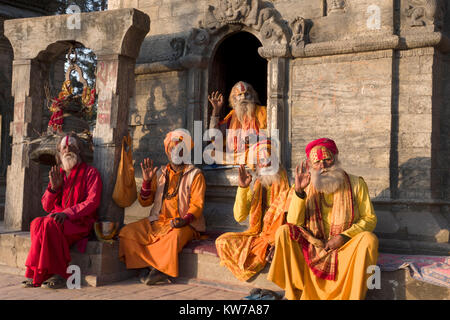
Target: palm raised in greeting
148, 171
302, 177
55, 177
244, 178
216, 100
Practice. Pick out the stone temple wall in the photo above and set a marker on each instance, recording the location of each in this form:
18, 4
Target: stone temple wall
346, 97
371, 74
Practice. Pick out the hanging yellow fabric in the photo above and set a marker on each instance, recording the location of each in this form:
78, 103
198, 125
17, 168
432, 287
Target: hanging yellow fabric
125, 192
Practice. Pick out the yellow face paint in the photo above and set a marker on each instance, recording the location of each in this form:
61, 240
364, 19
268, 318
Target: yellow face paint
320, 153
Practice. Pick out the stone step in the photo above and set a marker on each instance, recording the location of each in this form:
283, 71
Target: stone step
395, 285
99, 264
198, 264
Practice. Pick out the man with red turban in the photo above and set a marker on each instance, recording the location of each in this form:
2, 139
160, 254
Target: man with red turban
71, 199
327, 246
245, 124
177, 192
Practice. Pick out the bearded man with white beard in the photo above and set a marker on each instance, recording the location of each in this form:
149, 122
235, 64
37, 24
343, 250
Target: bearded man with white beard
71, 199
265, 201
245, 124
324, 250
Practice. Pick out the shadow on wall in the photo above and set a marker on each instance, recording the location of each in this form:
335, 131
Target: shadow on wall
414, 181
154, 115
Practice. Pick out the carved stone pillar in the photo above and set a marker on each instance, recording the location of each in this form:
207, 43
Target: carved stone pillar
115, 83
277, 106
22, 203
117, 40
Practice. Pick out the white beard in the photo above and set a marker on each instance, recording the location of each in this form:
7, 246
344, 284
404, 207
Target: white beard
68, 161
267, 178
245, 110
327, 180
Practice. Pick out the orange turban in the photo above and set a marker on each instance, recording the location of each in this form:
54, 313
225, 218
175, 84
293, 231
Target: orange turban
175, 137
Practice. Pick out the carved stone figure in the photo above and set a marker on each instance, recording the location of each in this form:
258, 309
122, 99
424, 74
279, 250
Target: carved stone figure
334, 6
177, 44
426, 12
300, 32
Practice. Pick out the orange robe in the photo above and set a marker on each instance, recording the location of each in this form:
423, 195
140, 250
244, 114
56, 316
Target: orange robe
157, 244
244, 253
235, 139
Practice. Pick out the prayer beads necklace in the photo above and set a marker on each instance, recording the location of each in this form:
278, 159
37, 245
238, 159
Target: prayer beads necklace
167, 195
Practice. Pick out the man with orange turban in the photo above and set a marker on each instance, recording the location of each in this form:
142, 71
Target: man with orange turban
265, 202
245, 123
327, 246
177, 193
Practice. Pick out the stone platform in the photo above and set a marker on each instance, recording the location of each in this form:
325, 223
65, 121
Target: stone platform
199, 264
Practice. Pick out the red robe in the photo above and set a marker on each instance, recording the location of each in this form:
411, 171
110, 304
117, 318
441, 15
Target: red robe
79, 198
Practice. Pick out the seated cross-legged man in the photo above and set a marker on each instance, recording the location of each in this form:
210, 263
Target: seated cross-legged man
264, 201
177, 193
72, 198
324, 250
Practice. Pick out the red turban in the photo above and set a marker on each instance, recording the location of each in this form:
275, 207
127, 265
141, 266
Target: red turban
325, 142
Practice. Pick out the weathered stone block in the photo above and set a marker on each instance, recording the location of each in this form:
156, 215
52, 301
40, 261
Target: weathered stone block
423, 225
386, 222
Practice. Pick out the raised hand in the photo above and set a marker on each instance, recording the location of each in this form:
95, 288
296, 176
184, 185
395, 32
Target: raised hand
216, 100
148, 171
244, 178
55, 177
302, 177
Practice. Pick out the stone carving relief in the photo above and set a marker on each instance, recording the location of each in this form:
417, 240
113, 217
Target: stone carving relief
300, 35
336, 6
177, 44
426, 13
254, 14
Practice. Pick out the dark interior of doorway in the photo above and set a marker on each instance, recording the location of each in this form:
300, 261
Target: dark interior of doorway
237, 59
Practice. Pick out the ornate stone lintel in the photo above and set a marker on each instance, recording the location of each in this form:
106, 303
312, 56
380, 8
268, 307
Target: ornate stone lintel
274, 32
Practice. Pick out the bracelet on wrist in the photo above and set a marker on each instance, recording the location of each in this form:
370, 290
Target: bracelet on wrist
301, 195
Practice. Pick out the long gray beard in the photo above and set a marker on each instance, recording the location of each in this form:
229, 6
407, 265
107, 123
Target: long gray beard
328, 180
68, 161
245, 109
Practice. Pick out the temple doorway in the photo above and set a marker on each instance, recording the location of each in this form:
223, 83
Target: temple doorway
237, 59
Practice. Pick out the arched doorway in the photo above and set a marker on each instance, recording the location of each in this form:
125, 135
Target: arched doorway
237, 59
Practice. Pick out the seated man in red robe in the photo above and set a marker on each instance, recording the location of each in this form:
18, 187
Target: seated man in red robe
71, 199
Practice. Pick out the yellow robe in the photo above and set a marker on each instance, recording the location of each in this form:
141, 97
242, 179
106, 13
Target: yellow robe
244, 253
290, 271
157, 244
